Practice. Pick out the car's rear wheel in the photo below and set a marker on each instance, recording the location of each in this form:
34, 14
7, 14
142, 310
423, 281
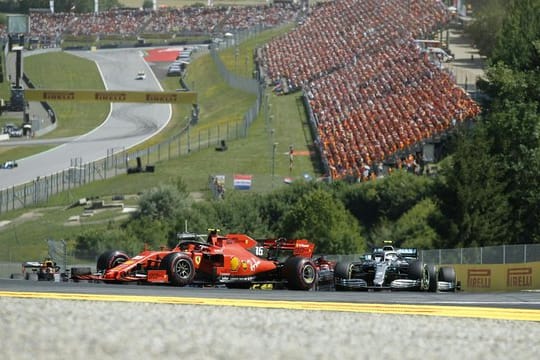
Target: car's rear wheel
300, 273
110, 259
180, 268
416, 270
342, 270
447, 274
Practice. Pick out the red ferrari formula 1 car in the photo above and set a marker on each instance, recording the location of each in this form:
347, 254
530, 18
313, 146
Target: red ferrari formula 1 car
234, 260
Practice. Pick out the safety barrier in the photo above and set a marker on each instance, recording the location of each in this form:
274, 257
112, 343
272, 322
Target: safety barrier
498, 277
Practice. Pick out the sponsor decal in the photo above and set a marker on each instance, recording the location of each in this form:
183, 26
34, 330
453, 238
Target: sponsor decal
235, 263
479, 278
244, 265
253, 264
519, 277
109, 96
58, 95
161, 98
197, 259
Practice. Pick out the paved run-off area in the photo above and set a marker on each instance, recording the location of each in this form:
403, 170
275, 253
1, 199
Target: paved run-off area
74, 329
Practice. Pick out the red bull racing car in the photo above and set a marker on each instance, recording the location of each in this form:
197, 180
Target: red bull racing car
234, 260
393, 269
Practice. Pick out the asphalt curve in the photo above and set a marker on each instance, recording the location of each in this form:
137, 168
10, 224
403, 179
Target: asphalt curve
127, 124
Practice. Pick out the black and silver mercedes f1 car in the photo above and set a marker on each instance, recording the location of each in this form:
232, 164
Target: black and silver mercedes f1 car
393, 269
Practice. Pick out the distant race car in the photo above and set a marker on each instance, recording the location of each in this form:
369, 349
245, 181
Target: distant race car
141, 75
234, 260
41, 270
11, 164
393, 269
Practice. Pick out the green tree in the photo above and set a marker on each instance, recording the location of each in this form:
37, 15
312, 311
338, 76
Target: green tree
275, 204
149, 232
414, 228
515, 128
321, 218
240, 213
91, 243
488, 18
472, 193
148, 4
162, 202
386, 198
519, 32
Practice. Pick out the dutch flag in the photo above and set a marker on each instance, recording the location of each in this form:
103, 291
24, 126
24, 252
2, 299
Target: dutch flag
242, 182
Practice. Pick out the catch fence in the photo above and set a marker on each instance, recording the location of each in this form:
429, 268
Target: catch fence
502, 254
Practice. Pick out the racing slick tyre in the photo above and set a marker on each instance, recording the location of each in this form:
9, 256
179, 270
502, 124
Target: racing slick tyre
432, 278
300, 273
416, 270
420, 271
110, 259
180, 268
342, 271
447, 274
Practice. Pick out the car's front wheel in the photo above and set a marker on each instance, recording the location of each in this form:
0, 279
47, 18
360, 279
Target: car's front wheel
180, 268
110, 259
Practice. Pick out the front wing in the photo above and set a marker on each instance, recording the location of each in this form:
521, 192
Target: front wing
399, 284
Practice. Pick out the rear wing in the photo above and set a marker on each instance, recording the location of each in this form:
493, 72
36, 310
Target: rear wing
298, 247
408, 253
411, 253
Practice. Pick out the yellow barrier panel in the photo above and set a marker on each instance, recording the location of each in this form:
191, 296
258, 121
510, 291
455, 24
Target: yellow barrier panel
163, 97
498, 277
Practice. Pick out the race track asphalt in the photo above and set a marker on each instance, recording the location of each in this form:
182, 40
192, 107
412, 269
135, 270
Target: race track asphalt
98, 321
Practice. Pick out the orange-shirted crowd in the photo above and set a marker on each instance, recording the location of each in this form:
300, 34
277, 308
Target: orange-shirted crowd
371, 90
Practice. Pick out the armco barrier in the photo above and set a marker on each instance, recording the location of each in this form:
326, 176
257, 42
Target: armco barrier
498, 277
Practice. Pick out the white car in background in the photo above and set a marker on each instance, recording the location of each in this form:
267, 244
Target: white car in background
11, 164
141, 75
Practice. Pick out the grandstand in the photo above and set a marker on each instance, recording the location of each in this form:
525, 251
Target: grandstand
372, 93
